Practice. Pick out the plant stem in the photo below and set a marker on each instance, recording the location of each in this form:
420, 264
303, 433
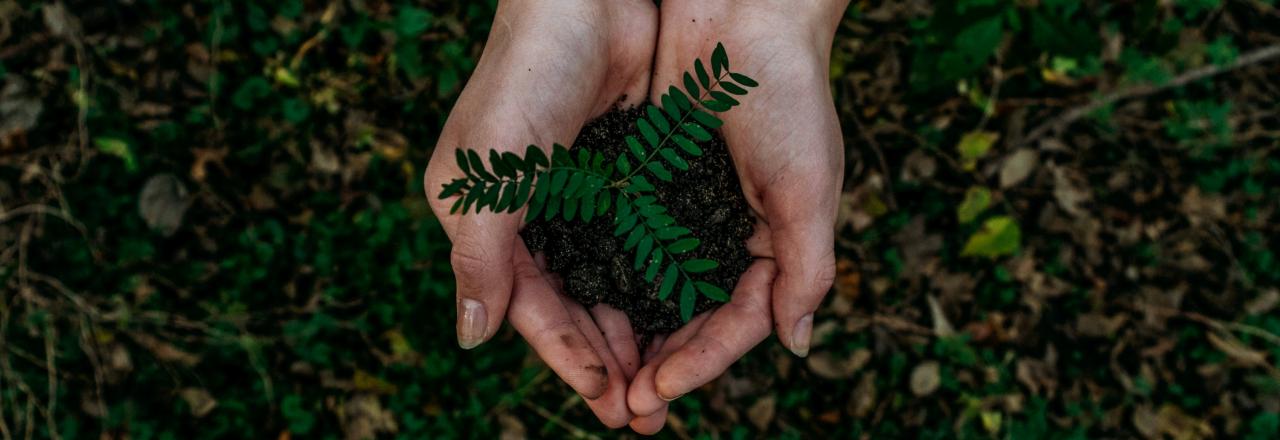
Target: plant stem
657, 242
706, 91
502, 180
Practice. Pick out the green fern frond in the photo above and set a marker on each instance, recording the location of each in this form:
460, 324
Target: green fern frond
678, 120
656, 239
584, 186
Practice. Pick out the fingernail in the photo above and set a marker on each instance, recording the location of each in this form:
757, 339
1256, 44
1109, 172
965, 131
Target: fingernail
673, 398
471, 323
800, 335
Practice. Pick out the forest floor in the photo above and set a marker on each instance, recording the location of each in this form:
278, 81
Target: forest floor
1060, 220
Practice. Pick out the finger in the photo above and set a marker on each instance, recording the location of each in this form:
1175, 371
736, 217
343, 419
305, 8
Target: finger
481, 260
538, 314
804, 247
642, 396
655, 347
732, 330
610, 407
620, 337
650, 424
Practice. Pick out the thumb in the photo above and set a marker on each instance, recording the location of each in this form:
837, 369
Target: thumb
804, 248
482, 264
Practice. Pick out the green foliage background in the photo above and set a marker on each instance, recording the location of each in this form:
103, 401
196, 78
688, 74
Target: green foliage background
1114, 279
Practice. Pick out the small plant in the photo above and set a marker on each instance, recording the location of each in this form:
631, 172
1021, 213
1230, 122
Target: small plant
584, 186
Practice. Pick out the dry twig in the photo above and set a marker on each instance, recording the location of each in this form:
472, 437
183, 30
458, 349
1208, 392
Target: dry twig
1064, 120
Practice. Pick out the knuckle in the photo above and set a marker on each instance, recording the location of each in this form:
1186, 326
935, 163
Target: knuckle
825, 273
563, 332
754, 307
469, 262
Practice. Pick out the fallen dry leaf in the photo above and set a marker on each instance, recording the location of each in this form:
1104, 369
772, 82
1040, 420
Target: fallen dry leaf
829, 366
1098, 325
164, 351
863, 399
926, 378
512, 428
1200, 208
363, 417
1176, 423
848, 279
761, 413
1237, 351
19, 111
1265, 302
200, 401
1070, 191
162, 203
1018, 166
941, 326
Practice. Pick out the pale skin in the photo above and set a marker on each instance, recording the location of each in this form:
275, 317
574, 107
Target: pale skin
547, 69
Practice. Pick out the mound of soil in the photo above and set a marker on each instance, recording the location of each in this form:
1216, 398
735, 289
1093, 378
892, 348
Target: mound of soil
706, 198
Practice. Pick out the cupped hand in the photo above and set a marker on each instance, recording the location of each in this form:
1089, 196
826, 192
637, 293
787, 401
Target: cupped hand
787, 148
547, 68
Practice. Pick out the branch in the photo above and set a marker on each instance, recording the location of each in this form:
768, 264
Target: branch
1071, 116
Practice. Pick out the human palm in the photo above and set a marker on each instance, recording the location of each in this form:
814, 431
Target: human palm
546, 70
788, 151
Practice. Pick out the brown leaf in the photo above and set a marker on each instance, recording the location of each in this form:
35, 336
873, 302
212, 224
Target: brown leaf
324, 160
147, 109
58, 21
919, 166
7, 9
761, 413
941, 326
864, 396
829, 366
1146, 421
1039, 375
162, 203
260, 200
1098, 325
1238, 351
200, 401
1264, 303
19, 111
1070, 190
823, 332
1018, 166
926, 378
859, 208
363, 417
1176, 423
118, 363
848, 279
164, 350
204, 157
512, 428
1200, 208
389, 144
919, 247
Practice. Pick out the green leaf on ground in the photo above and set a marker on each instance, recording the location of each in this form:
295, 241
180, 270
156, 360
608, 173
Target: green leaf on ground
998, 236
976, 200
975, 145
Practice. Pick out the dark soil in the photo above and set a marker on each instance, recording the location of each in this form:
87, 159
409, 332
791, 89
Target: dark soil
706, 198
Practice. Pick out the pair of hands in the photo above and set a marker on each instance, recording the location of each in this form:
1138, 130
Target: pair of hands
548, 68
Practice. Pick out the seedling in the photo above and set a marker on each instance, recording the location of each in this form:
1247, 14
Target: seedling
583, 186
